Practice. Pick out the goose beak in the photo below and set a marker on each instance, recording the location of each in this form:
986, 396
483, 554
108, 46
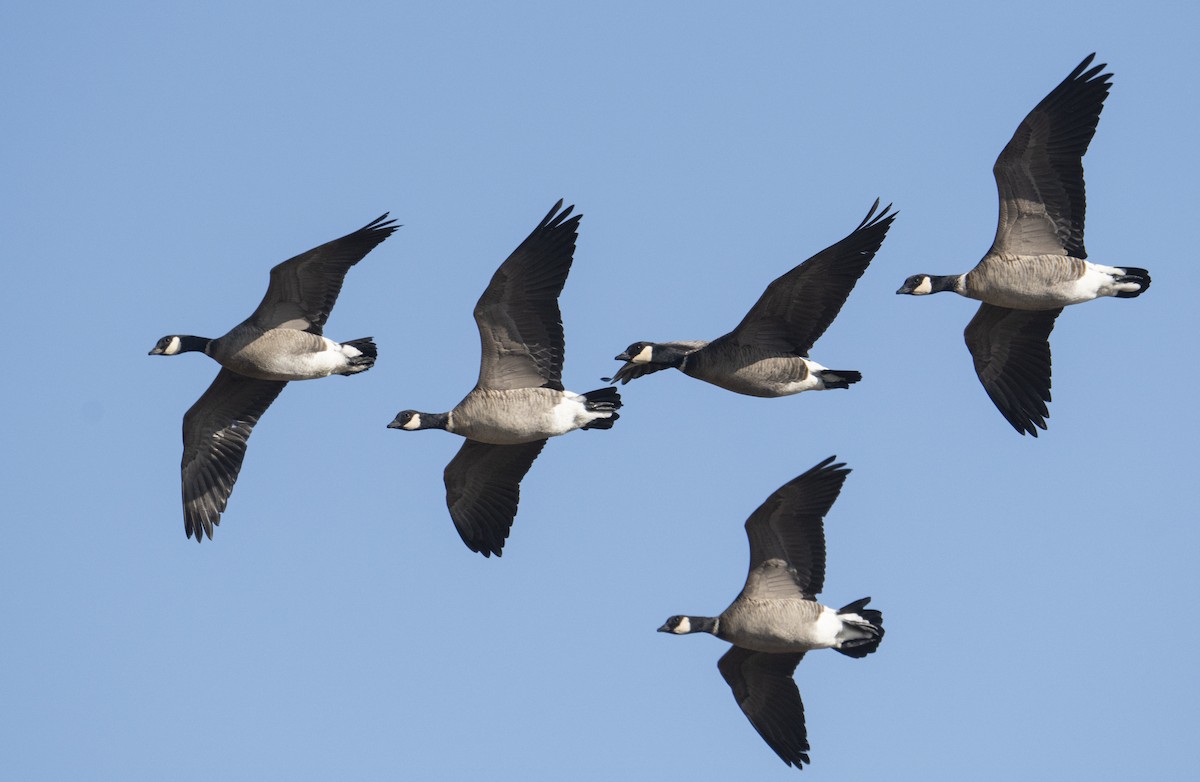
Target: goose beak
664, 629
622, 357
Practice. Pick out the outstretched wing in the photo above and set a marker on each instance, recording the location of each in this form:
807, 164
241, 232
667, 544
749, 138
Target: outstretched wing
795, 309
787, 534
1039, 175
520, 325
763, 686
483, 487
215, 432
304, 289
1011, 351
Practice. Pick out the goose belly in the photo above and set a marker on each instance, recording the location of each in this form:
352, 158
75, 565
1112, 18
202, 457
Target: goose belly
781, 625
755, 373
1038, 282
508, 417
285, 354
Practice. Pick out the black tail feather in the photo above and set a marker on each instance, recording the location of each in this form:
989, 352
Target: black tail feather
602, 400
1134, 274
840, 378
872, 623
365, 346
602, 423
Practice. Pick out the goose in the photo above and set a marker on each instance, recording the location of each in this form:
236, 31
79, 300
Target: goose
1036, 265
776, 618
282, 340
519, 401
767, 354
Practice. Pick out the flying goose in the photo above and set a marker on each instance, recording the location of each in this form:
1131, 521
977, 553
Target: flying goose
519, 400
280, 341
776, 618
1036, 265
767, 354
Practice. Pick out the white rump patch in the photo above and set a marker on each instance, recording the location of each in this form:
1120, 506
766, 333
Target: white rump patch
569, 413
645, 356
336, 347
827, 628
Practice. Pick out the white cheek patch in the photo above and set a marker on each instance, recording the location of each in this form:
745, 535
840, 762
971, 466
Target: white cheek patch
412, 423
684, 626
644, 357
173, 346
926, 286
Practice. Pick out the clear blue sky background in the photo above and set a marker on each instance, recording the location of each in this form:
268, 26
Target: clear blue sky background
158, 159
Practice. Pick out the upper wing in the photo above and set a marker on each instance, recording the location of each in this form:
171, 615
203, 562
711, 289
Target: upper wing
631, 371
303, 289
520, 325
1011, 351
795, 309
763, 686
787, 534
1039, 175
483, 487
215, 431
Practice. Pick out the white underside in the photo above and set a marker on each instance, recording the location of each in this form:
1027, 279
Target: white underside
326, 362
779, 626
827, 629
520, 415
811, 383
1031, 294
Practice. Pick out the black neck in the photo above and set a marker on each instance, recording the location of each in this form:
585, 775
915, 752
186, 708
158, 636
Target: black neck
188, 343
670, 356
435, 420
939, 283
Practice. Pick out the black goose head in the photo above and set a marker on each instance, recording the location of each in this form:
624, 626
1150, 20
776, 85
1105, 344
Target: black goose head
924, 284
412, 420
683, 625
174, 344
652, 353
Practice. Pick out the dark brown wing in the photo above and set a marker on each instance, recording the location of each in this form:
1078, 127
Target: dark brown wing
215, 432
631, 371
795, 309
1011, 351
789, 526
303, 289
483, 487
1039, 175
520, 325
763, 686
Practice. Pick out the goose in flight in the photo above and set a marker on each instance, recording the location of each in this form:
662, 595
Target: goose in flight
282, 340
776, 619
767, 354
1036, 265
519, 401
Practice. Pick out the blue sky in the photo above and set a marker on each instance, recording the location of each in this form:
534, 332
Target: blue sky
158, 160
